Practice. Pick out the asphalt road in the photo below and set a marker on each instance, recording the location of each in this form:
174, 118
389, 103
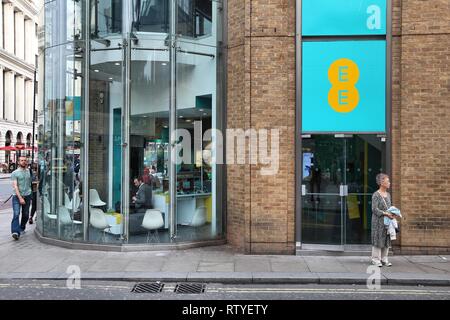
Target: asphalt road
97, 290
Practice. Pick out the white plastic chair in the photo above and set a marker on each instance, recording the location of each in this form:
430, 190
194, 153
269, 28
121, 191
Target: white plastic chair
199, 217
47, 211
67, 202
98, 220
76, 200
198, 220
94, 199
65, 219
152, 221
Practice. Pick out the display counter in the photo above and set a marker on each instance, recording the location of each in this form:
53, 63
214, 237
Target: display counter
186, 206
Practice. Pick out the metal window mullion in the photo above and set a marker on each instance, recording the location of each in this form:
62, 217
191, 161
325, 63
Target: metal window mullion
172, 117
298, 125
85, 123
126, 82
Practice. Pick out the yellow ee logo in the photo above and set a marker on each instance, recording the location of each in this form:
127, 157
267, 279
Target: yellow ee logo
343, 75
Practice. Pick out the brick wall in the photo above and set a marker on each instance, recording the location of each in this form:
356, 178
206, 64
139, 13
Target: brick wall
422, 136
98, 138
261, 95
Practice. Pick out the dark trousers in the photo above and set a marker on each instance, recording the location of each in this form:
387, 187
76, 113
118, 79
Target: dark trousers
33, 204
15, 226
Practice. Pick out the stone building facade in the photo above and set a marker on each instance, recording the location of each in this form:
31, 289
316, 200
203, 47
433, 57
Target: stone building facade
18, 52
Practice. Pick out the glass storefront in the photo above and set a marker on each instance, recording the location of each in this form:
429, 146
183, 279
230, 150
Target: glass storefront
132, 91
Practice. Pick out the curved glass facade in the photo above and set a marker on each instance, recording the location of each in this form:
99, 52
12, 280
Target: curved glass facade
132, 96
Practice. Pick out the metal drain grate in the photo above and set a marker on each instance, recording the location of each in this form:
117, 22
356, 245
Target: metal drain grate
190, 288
151, 287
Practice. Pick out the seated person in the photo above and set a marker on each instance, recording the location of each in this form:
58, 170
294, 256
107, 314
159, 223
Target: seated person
143, 198
150, 178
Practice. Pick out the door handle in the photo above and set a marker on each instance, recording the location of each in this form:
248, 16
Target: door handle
343, 190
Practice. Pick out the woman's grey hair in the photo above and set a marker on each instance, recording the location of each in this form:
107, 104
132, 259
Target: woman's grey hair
380, 177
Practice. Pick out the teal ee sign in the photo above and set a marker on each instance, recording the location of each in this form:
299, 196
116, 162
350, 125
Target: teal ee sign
344, 86
343, 17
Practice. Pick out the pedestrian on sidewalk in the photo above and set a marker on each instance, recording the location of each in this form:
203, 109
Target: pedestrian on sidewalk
21, 179
381, 242
34, 188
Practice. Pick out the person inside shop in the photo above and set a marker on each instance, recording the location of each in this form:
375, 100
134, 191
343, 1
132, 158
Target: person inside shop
151, 178
34, 189
143, 198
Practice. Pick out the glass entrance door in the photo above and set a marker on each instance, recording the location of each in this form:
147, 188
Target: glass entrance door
338, 179
322, 181
365, 158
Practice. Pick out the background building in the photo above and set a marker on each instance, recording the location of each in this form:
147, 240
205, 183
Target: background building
18, 57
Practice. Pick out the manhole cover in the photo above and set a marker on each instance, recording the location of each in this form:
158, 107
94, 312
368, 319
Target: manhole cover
190, 288
152, 287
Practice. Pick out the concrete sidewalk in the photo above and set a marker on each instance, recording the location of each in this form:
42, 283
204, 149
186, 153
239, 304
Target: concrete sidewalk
30, 259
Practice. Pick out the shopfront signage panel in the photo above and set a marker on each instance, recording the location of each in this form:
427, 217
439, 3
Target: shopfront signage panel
343, 17
344, 86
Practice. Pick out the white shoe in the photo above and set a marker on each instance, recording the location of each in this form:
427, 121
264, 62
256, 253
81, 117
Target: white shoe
377, 263
386, 264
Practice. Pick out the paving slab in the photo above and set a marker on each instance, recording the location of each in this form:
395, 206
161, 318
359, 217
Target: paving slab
109, 265
11, 264
324, 264
158, 276
346, 278
32, 275
250, 264
103, 275
417, 279
435, 266
83, 264
144, 266
432, 259
215, 267
289, 266
177, 265
286, 277
220, 277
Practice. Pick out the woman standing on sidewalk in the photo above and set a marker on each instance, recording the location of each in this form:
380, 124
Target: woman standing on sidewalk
381, 242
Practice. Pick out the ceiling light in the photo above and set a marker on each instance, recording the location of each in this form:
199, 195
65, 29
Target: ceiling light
164, 64
201, 110
117, 63
188, 120
110, 78
96, 70
181, 117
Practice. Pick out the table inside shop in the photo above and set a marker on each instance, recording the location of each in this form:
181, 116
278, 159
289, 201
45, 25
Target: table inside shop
186, 206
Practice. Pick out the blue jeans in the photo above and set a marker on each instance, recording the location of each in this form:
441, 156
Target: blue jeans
15, 226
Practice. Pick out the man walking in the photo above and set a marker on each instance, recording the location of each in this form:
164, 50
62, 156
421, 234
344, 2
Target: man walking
21, 179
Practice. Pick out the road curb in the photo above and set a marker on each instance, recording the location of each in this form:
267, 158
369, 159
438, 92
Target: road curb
240, 278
